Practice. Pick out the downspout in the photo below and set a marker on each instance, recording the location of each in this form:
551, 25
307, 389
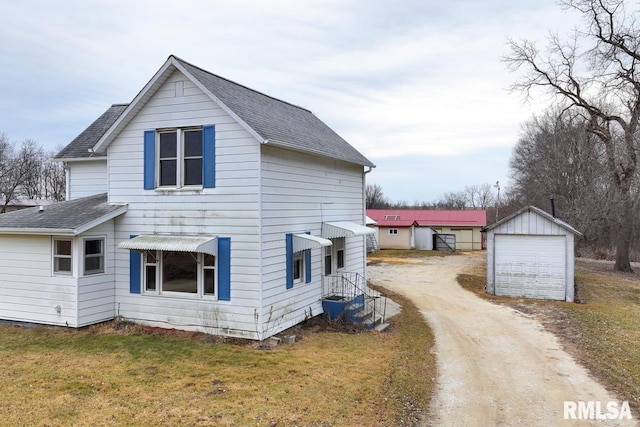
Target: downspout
364, 219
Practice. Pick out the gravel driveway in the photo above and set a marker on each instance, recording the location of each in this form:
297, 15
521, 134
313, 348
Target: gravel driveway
496, 366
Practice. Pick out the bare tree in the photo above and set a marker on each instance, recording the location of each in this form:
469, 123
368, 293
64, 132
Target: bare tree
479, 196
456, 200
602, 82
28, 172
53, 179
557, 157
375, 198
18, 168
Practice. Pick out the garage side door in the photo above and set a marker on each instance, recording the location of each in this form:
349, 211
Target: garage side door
530, 266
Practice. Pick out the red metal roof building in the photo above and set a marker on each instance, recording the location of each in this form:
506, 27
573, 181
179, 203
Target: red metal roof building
423, 229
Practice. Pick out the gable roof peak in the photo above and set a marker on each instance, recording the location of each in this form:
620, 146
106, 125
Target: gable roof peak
265, 118
183, 62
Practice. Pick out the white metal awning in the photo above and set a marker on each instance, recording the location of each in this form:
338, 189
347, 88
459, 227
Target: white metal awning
203, 244
331, 230
302, 242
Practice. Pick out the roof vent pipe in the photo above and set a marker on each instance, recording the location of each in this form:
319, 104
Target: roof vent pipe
553, 207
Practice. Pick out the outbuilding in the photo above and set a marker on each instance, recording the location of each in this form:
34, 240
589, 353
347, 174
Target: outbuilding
530, 254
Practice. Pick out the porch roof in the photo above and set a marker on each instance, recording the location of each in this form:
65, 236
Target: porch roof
331, 230
302, 242
203, 244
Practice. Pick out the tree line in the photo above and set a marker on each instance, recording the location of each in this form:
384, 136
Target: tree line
477, 196
27, 172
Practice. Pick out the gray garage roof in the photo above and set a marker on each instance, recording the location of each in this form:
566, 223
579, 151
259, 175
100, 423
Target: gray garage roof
66, 218
270, 120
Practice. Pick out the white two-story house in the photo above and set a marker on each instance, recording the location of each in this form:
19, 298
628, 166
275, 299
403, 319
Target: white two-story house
200, 205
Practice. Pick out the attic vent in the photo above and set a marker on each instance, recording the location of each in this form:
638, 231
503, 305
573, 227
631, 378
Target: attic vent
392, 217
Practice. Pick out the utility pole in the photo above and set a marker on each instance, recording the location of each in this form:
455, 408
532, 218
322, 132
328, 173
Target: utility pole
497, 186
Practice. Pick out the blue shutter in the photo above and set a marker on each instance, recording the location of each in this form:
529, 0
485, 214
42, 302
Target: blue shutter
289, 261
149, 159
209, 156
135, 260
307, 264
224, 268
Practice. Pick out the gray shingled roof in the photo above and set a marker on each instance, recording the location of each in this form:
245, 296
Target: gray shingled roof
79, 147
67, 216
282, 124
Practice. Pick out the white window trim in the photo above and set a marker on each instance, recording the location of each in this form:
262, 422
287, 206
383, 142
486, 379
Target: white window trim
180, 158
200, 279
54, 256
299, 256
103, 238
393, 231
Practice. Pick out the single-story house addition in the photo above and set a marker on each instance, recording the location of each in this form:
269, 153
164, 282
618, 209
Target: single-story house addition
200, 205
530, 254
429, 229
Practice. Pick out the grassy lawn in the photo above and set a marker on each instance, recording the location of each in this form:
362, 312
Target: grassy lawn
104, 375
602, 332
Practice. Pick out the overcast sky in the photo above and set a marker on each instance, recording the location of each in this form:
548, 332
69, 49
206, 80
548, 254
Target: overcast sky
416, 86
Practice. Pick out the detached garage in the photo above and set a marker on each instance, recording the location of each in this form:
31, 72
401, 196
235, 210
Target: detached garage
530, 254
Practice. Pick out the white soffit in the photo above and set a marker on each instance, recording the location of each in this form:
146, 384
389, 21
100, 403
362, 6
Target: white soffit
302, 242
203, 244
331, 230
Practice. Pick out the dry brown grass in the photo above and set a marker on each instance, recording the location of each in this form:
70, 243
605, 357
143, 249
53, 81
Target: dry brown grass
122, 374
602, 331
404, 256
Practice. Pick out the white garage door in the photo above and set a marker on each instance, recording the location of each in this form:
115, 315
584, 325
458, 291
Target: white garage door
530, 266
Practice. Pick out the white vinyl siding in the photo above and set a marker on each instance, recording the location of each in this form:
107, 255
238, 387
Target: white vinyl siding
87, 178
29, 291
230, 209
299, 192
96, 292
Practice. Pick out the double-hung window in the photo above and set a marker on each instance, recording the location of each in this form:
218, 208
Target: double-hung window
93, 256
179, 158
179, 273
62, 258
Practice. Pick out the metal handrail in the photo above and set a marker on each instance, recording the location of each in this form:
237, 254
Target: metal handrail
349, 285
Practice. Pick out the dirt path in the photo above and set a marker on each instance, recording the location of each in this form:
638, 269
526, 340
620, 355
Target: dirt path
496, 367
